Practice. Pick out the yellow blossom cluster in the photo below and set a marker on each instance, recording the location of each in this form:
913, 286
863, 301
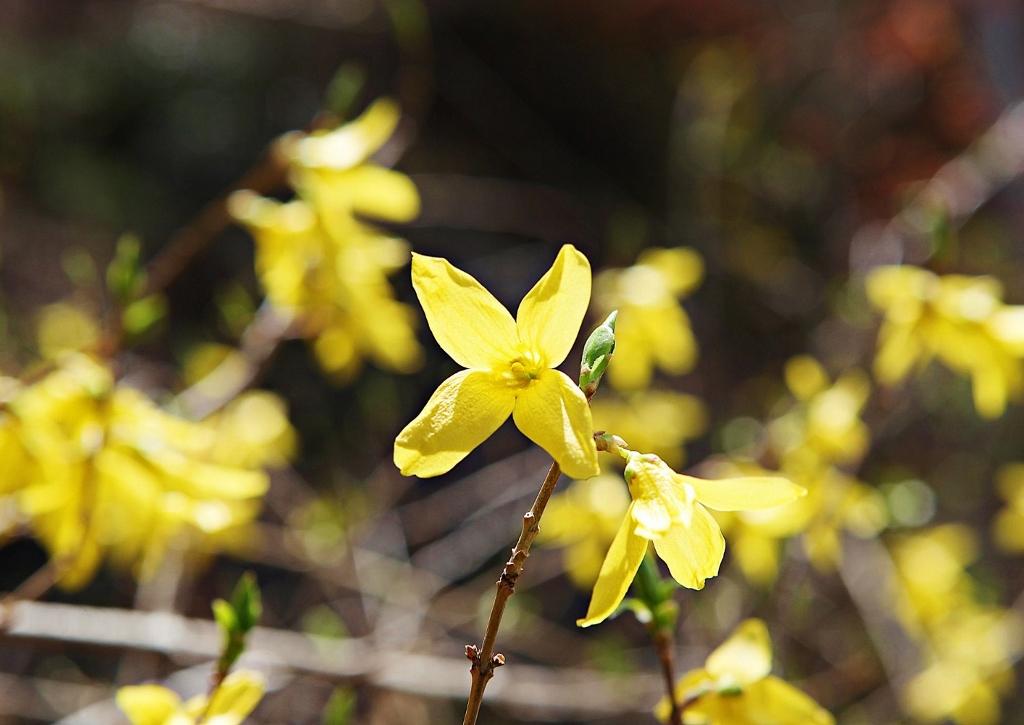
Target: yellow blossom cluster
97, 469
735, 687
967, 646
811, 440
236, 697
960, 321
319, 259
653, 329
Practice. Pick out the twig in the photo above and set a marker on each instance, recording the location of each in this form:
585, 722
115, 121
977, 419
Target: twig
484, 660
38, 584
566, 692
663, 646
265, 176
260, 340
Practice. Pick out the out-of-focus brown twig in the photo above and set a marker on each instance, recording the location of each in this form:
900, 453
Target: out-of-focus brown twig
265, 176
235, 373
562, 691
663, 646
957, 190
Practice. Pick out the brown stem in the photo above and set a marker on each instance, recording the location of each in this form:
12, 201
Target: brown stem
38, 584
267, 175
483, 658
663, 646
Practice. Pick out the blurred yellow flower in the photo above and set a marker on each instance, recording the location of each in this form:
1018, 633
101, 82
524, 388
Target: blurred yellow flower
584, 520
102, 469
1008, 527
652, 328
232, 702
63, 327
510, 368
668, 510
968, 646
817, 430
319, 259
825, 422
658, 421
736, 687
958, 320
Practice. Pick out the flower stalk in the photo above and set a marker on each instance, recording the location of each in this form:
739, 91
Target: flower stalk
484, 660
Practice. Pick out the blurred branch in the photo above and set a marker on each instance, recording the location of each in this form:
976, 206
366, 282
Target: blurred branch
235, 373
870, 578
565, 691
264, 177
957, 190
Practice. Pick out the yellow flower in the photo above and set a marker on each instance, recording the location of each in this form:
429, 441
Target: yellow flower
956, 319
584, 520
658, 421
826, 420
735, 687
968, 646
652, 328
319, 258
102, 469
236, 697
668, 511
1008, 527
510, 368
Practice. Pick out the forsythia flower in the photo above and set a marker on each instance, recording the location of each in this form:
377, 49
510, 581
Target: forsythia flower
956, 319
658, 421
511, 368
819, 430
1008, 528
668, 510
99, 468
736, 687
584, 520
232, 702
652, 328
968, 646
317, 258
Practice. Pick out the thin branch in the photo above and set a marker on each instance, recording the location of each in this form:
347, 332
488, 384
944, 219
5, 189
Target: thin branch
484, 660
566, 692
663, 646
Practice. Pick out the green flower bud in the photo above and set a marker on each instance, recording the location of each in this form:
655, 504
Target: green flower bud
597, 352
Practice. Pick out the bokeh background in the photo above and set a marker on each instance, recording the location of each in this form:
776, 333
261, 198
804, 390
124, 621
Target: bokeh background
795, 147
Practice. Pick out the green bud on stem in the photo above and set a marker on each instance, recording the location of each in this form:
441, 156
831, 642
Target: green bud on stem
597, 352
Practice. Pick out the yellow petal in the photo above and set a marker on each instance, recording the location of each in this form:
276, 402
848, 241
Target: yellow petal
148, 704
468, 323
237, 696
368, 190
553, 413
691, 683
463, 411
745, 657
652, 517
617, 572
681, 268
745, 493
776, 701
352, 143
693, 552
550, 315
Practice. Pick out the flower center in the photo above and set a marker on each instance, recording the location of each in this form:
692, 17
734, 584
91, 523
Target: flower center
523, 369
